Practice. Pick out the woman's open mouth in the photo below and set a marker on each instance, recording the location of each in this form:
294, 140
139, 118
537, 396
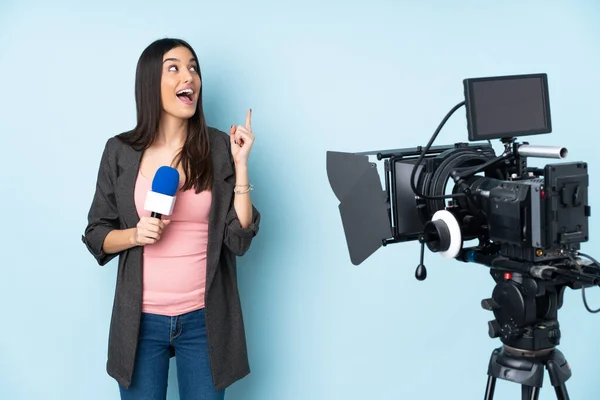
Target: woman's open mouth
186, 96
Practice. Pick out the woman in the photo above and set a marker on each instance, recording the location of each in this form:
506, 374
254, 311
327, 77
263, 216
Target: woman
184, 302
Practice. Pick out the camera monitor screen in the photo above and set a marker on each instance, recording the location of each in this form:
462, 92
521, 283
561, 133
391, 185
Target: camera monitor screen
507, 106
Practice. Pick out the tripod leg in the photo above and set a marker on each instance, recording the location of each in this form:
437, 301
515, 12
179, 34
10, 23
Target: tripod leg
559, 371
561, 392
525, 392
491, 386
530, 392
535, 393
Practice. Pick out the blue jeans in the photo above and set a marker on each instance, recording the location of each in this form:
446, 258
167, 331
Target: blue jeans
186, 335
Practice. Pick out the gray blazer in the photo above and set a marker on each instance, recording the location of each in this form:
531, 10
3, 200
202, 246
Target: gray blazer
113, 207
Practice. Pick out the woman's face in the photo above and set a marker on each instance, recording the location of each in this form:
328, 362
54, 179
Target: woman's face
180, 83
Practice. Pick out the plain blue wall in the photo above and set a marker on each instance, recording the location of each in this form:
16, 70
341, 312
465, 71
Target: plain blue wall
349, 76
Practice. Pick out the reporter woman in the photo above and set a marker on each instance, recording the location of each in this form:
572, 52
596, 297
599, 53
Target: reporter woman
176, 291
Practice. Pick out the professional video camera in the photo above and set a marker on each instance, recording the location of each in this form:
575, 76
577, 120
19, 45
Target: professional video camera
528, 222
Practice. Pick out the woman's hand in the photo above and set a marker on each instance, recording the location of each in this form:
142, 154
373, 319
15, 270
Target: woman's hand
149, 230
242, 139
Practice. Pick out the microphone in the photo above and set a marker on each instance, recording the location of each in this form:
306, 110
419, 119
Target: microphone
161, 199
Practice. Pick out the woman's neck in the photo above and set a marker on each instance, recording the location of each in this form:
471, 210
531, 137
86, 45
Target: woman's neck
172, 131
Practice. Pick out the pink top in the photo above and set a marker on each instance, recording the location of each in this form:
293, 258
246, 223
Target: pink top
174, 268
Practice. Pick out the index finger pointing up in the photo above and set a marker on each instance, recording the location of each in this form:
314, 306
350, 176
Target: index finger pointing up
248, 123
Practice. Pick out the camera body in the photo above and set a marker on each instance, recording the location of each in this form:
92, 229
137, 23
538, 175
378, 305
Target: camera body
529, 214
533, 219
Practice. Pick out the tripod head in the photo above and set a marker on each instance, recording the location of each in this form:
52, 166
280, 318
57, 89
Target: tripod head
527, 296
525, 303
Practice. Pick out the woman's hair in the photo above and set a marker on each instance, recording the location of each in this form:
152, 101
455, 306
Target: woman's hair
195, 155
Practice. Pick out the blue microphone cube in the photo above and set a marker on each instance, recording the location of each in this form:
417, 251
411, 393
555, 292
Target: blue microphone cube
166, 181
160, 200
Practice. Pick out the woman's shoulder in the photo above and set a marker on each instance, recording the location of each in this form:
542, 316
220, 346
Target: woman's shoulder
220, 147
124, 142
216, 134
116, 148
219, 140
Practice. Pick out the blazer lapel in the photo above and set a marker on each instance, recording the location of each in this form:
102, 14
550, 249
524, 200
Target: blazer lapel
222, 196
130, 165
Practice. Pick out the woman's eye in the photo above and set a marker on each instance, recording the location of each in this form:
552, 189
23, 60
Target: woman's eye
172, 68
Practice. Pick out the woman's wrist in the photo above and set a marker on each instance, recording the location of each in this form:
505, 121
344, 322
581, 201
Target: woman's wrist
118, 240
132, 233
241, 174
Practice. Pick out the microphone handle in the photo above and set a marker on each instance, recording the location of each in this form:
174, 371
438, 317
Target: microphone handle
156, 215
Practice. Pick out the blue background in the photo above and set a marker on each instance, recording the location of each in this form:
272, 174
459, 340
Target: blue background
336, 75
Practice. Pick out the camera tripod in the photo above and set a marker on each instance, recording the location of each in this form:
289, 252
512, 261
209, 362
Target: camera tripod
526, 309
525, 302
527, 369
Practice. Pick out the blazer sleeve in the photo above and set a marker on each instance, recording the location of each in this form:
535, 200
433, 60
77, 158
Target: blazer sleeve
103, 215
238, 239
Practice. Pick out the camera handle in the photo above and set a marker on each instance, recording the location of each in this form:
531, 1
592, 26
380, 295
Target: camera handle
421, 272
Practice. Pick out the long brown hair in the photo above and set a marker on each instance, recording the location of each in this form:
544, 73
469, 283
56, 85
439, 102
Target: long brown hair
195, 154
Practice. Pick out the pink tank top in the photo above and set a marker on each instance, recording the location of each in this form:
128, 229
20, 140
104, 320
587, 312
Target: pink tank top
174, 268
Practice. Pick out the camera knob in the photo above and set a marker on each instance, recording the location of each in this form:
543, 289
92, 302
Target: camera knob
489, 304
554, 336
494, 329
